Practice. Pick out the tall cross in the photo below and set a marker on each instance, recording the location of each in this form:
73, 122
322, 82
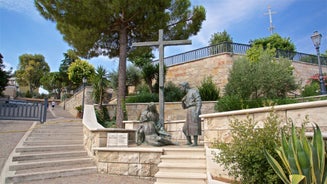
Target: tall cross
271, 27
161, 44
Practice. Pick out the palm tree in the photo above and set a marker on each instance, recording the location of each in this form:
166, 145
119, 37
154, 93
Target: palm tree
100, 84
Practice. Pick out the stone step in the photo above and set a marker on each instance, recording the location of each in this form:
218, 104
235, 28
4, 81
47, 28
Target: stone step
181, 177
182, 167
55, 148
183, 151
183, 159
58, 134
52, 142
47, 164
50, 174
29, 157
68, 137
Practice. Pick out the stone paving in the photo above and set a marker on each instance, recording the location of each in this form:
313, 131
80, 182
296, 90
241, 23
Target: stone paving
11, 132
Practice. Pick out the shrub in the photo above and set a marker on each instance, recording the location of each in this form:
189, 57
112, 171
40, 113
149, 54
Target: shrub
311, 89
173, 93
143, 98
234, 102
208, 90
103, 117
244, 156
229, 103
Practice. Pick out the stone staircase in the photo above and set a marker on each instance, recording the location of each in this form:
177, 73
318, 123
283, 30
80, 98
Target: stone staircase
182, 165
51, 150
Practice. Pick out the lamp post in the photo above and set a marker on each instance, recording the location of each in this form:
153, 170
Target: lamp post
316, 38
84, 80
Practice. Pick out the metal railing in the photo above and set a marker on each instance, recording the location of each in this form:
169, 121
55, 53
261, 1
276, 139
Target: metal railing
23, 110
234, 48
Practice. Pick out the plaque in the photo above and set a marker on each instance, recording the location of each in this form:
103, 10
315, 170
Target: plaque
117, 139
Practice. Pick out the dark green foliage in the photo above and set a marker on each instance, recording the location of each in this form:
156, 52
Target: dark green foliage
229, 103
4, 76
264, 78
220, 37
173, 93
143, 98
208, 90
234, 102
311, 89
244, 155
103, 117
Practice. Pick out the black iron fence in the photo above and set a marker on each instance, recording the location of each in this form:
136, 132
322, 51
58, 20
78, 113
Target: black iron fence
235, 48
23, 110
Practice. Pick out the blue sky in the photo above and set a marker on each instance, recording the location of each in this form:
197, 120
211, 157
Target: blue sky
23, 30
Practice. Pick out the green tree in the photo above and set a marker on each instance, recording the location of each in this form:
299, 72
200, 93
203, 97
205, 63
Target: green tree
208, 90
275, 41
31, 69
4, 75
133, 76
266, 78
52, 83
100, 84
95, 27
79, 69
69, 57
220, 37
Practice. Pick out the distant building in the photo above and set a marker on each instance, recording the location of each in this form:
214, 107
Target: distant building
12, 88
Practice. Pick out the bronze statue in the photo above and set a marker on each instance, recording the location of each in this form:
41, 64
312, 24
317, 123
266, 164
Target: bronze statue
192, 102
151, 131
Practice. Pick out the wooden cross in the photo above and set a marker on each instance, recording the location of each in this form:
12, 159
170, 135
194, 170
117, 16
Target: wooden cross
161, 44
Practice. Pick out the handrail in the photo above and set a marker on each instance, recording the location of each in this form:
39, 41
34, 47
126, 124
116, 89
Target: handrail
235, 48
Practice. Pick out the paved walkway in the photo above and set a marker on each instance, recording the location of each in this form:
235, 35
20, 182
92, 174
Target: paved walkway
12, 132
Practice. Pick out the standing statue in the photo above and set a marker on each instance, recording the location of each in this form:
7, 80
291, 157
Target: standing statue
192, 102
151, 131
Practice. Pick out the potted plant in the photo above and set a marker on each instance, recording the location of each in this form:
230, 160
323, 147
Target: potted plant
79, 111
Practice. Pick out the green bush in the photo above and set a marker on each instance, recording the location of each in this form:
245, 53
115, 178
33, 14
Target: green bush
103, 117
208, 90
229, 103
173, 93
143, 98
312, 89
244, 156
234, 102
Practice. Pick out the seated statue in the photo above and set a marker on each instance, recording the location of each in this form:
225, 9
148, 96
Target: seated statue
152, 131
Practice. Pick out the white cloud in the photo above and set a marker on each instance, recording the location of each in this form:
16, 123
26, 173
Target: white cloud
25, 7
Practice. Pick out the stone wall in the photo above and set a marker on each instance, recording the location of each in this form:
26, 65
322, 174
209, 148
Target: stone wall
173, 110
77, 99
139, 162
218, 67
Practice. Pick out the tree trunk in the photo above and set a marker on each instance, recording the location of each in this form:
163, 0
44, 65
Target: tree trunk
121, 76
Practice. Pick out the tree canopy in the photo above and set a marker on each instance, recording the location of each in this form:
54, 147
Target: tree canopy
275, 41
79, 69
31, 69
4, 76
265, 78
220, 37
96, 27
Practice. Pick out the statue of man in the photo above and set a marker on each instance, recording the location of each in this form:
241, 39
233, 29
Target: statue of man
151, 131
192, 102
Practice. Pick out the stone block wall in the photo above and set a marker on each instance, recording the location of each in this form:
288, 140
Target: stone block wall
173, 110
216, 125
139, 162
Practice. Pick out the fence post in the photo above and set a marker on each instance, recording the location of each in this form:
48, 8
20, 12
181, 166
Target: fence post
43, 116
